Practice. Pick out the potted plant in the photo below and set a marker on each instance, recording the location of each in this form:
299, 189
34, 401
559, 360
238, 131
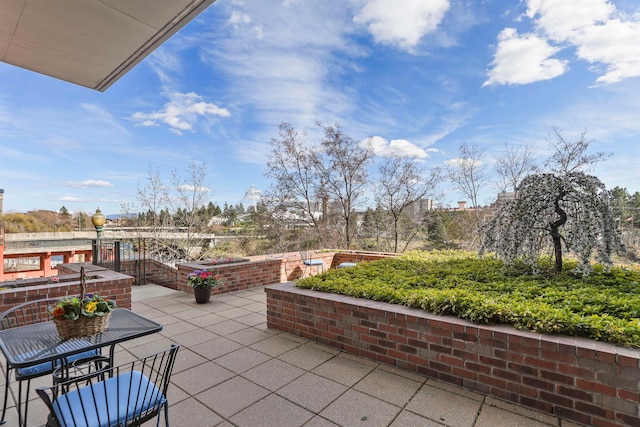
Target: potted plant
78, 317
202, 281
82, 316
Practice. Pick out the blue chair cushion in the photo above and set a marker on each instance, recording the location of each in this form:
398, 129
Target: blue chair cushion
313, 262
47, 367
109, 402
347, 264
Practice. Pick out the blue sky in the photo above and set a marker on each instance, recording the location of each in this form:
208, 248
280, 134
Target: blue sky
420, 77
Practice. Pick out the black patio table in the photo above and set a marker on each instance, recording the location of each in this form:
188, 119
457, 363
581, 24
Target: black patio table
32, 345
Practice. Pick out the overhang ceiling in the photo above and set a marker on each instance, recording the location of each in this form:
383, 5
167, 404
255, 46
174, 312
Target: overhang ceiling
91, 43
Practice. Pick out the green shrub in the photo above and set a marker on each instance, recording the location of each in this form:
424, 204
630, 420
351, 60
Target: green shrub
602, 306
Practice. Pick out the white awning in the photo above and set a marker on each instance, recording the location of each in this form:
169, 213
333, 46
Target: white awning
91, 43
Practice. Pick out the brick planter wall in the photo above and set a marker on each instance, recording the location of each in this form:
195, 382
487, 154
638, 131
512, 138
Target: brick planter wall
358, 256
267, 269
161, 274
107, 283
234, 276
585, 381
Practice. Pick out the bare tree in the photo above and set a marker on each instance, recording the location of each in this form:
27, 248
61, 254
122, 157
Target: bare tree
513, 164
152, 203
189, 196
341, 165
294, 188
467, 172
319, 184
172, 213
571, 156
401, 183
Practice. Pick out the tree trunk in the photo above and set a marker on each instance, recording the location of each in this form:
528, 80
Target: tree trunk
395, 234
557, 250
555, 233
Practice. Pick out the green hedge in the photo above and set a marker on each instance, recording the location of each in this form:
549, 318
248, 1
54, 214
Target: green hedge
603, 306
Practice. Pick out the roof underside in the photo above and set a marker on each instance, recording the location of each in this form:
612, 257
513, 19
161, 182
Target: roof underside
91, 43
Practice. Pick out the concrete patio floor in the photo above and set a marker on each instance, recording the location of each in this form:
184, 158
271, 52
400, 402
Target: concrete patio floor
233, 371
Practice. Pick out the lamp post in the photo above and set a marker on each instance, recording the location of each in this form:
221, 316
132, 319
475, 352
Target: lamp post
98, 221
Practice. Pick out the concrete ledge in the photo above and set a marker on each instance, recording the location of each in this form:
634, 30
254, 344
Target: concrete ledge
586, 381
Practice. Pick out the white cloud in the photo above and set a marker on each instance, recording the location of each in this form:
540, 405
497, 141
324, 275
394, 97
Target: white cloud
403, 22
456, 161
74, 199
600, 32
616, 45
193, 188
601, 35
523, 59
103, 118
239, 18
88, 183
165, 64
284, 65
561, 20
181, 113
395, 147
253, 152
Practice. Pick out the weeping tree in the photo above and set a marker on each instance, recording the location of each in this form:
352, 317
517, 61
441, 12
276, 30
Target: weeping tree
564, 210
551, 213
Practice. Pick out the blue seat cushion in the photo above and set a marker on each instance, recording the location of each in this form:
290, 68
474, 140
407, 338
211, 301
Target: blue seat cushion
313, 262
47, 367
347, 264
109, 402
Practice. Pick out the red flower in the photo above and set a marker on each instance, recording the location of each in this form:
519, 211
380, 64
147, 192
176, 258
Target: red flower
58, 312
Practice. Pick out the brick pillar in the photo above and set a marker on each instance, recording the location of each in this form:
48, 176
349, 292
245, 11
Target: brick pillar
45, 264
1, 252
68, 257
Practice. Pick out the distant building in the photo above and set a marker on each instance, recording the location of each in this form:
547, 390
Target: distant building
1, 197
417, 209
504, 197
251, 198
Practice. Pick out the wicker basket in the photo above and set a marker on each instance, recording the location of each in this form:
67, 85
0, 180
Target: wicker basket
83, 326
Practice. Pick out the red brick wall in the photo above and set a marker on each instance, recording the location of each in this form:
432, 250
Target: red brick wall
357, 256
585, 381
235, 276
154, 272
107, 283
161, 274
268, 269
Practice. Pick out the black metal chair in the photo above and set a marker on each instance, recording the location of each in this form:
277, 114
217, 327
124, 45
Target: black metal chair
125, 395
28, 313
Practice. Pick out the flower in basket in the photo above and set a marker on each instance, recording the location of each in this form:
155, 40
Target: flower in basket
202, 279
71, 308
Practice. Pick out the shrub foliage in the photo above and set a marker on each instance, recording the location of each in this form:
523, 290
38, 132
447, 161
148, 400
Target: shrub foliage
603, 306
